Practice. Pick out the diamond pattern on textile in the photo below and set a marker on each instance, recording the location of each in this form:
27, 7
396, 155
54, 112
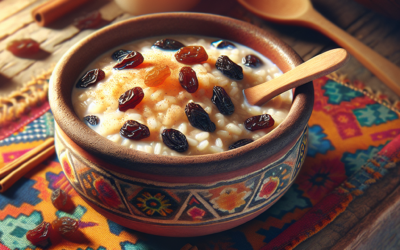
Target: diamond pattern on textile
79, 211
317, 179
317, 141
354, 162
59, 181
12, 230
374, 114
385, 134
23, 189
11, 156
19, 232
288, 203
115, 228
338, 93
346, 124
39, 129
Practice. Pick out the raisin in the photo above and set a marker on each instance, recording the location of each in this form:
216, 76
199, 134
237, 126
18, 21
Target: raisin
130, 99
91, 77
23, 47
188, 79
222, 100
229, 68
175, 140
134, 130
120, 54
240, 143
68, 228
168, 44
61, 200
198, 117
252, 61
130, 61
157, 75
43, 235
191, 55
222, 44
92, 119
259, 122
89, 21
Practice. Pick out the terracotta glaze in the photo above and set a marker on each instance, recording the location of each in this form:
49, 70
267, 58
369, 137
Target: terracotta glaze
169, 195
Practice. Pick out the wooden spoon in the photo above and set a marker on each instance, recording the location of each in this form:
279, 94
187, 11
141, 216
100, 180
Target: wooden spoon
301, 12
314, 68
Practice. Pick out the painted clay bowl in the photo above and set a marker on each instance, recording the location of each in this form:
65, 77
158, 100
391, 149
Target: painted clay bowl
178, 196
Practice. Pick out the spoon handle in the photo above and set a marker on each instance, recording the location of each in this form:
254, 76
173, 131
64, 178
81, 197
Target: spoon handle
314, 68
382, 68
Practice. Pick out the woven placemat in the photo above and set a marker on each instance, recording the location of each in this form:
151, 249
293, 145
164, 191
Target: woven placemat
24, 105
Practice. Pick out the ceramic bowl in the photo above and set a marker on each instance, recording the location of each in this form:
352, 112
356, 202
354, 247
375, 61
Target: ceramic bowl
169, 195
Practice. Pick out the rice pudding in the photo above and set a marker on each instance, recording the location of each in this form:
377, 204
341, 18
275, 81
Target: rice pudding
169, 92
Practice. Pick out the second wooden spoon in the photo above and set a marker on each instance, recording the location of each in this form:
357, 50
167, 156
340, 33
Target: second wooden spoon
301, 12
314, 68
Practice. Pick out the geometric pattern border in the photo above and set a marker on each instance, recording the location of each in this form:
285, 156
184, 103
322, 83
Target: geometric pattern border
181, 204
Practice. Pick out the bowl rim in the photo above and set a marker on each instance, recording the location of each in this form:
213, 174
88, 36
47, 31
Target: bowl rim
100, 147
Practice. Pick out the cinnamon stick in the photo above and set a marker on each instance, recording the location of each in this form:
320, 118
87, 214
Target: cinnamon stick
52, 10
18, 168
25, 157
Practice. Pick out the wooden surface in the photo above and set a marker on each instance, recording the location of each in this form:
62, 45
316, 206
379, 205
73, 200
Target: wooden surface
374, 30
370, 219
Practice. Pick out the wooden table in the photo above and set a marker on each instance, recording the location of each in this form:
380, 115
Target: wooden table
369, 220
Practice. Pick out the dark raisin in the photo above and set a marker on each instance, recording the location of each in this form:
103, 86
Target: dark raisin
188, 79
92, 119
23, 47
91, 77
130, 61
259, 122
240, 143
120, 54
168, 44
43, 235
198, 117
191, 55
229, 68
175, 140
134, 130
222, 44
222, 100
68, 228
61, 200
252, 61
130, 99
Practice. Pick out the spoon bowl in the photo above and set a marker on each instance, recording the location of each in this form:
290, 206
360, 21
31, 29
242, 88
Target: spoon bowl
312, 69
278, 11
301, 12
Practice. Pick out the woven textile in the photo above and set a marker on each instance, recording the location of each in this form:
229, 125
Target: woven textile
353, 141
